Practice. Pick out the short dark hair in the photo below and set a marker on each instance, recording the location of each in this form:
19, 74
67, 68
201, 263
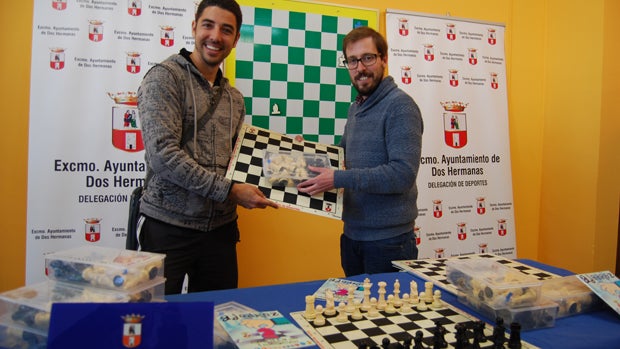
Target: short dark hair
362, 33
228, 5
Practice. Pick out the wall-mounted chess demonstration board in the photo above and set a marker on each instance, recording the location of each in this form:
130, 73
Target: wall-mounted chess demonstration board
246, 166
434, 269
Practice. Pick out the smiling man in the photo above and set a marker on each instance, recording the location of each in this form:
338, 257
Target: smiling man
190, 116
382, 141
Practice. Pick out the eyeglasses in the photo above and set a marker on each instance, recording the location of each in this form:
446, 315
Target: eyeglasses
367, 60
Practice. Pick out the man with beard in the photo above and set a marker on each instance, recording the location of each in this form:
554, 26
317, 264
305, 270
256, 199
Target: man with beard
382, 141
190, 117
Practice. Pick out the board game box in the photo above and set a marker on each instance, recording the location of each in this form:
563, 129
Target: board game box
606, 285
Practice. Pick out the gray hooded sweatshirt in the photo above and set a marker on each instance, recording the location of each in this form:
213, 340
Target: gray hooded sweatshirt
186, 185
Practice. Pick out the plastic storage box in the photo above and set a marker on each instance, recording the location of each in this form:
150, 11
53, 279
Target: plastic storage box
571, 295
539, 315
12, 336
104, 267
493, 283
30, 306
289, 168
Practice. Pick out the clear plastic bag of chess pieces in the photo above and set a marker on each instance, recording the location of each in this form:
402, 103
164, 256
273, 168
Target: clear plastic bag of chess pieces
289, 168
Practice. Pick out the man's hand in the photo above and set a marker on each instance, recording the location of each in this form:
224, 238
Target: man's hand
319, 184
249, 196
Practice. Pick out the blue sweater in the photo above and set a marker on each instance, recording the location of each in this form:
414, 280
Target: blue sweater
382, 141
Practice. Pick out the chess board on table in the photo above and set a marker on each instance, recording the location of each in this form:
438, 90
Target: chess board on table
434, 270
246, 166
395, 327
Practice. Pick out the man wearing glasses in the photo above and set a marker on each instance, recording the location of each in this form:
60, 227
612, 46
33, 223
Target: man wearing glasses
382, 141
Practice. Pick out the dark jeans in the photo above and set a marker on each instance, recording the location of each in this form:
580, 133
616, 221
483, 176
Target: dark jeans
371, 257
208, 258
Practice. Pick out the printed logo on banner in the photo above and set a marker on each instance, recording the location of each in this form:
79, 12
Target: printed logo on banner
494, 81
134, 7
92, 229
416, 233
403, 26
454, 77
166, 36
450, 31
437, 210
455, 124
440, 252
59, 4
57, 58
480, 206
429, 52
405, 74
501, 227
126, 132
95, 30
132, 330
133, 62
473, 56
482, 247
462, 231
491, 36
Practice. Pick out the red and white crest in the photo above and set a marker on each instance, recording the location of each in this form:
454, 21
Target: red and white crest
461, 231
57, 58
450, 32
480, 206
454, 77
437, 209
403, 26
494, 81
59, 4
416, 233
126, 132
132, 330
95, 30
133, 62
440, 252
455, 124
491, 36
482, 247
501, 227
429, 52
134, 7
166, 36
405, 74
473, 56
92, 229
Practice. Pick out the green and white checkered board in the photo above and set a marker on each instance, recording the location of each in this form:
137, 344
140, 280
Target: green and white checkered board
288, 65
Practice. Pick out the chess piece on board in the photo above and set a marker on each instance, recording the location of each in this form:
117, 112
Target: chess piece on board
397, 301
357, 314
381, 301
309, 314
319, 319
436, 300
342, 313
421, 306
417, 340
330, 305
366, 302
389, 308
428, 292
373, 311
514, 341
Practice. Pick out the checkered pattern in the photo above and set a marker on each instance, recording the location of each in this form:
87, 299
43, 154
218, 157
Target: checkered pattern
396, 327
289, 68
435, 269
247, 166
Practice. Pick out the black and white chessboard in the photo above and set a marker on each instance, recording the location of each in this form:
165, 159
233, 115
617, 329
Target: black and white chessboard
395, 327
246, 166
434, 270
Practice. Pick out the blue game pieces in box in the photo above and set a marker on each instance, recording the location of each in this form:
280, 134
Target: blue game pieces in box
104, 267
539, 315
13, 336
30, 306
289, 168
493, 283
572, 295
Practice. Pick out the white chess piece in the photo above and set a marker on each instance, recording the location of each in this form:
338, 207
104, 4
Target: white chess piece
366, 302
413, 290
330, 305
319, 319
397, 301
342, 313
437, 300
373, 312
428, 292
389, 308
309, 313
421, 304
406, 307
350, 307
381, 302
357, 314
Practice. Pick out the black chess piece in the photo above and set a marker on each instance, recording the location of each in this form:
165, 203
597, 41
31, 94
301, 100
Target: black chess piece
385, 343
362, 345
407, 341
514, 342
417, 340
479, 331
460, 336
439, 340
499, 336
